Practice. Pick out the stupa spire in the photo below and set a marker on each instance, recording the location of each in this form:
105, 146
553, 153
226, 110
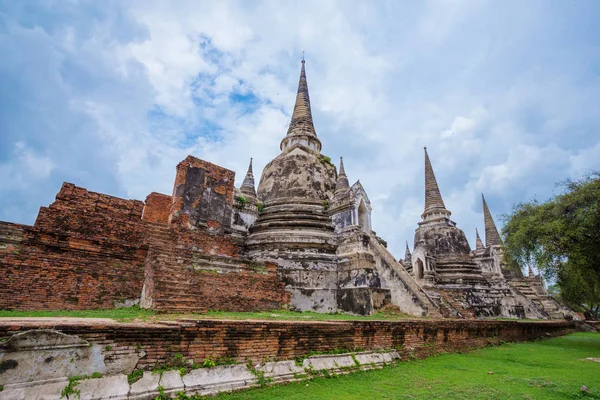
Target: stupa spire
407, 254
434, 204
247, 187
301, 124
342, 186
478, 243
492, 237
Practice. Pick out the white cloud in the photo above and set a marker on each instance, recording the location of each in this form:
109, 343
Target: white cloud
459, 125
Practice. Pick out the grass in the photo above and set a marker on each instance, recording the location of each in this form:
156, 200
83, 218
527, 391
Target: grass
136, 313
119, 314
548, 369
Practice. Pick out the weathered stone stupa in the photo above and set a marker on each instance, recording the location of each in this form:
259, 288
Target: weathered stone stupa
315, 226
294, 228
465, 282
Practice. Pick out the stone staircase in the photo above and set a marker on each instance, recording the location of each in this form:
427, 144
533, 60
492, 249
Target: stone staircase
407, 293
552, 307
183, 275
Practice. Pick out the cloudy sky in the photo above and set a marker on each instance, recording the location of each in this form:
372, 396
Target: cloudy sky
111, 95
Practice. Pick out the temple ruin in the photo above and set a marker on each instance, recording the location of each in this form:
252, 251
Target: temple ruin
301, 240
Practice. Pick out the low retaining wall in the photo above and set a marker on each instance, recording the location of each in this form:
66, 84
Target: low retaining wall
46, 351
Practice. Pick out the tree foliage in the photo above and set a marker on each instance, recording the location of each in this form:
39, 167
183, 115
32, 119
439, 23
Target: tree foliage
561, 237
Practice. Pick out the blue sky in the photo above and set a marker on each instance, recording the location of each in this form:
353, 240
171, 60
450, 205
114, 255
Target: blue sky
111, 95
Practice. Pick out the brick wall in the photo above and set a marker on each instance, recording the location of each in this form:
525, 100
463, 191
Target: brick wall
54, 270
89, 250
199, 271
157, 208
257, 340
82, 213
202, 195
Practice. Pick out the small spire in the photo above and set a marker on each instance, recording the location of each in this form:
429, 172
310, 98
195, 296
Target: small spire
342, 186
478, 243
342, 171
247, 187
433, 198
302, 122
407, 255
492, 237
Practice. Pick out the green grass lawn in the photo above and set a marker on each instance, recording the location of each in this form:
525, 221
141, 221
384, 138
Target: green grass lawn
548, 369
135, 313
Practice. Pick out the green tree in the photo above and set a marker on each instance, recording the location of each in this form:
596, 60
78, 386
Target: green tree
561, 237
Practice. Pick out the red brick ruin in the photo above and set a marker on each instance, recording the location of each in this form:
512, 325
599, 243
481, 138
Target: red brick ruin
89, 250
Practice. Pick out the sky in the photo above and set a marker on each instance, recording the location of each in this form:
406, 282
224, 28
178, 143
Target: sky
111, 95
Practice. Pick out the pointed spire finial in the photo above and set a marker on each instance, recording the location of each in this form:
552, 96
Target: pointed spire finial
301, 124
342, 185
478, 243
247, 187
492, 237
407, 255
434, 204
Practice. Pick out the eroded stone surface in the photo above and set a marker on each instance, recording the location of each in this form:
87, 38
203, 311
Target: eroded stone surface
211, 380
110, 387
145, 387
47, 354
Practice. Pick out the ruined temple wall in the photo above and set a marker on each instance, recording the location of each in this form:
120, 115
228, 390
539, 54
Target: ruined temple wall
82, 213
199, 271
157, 208
123, 347
202, 196
90, 250
53, 270
85, 251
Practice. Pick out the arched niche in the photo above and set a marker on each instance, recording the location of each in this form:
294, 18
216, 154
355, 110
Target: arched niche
419, 268
363, 217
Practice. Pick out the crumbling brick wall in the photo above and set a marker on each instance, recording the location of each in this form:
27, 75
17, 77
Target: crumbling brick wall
157, 208
53, 270
82, 213
202, 271
156, 344
90, 250
202, 196
85, 251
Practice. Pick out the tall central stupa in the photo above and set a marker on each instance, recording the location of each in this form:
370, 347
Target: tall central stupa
317, 228
294, 229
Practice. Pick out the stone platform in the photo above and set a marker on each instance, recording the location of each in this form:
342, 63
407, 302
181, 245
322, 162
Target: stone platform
44, 352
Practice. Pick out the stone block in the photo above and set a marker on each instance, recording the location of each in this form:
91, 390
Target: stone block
146, 387
171, 382
282, 371
110, 387
206, 381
